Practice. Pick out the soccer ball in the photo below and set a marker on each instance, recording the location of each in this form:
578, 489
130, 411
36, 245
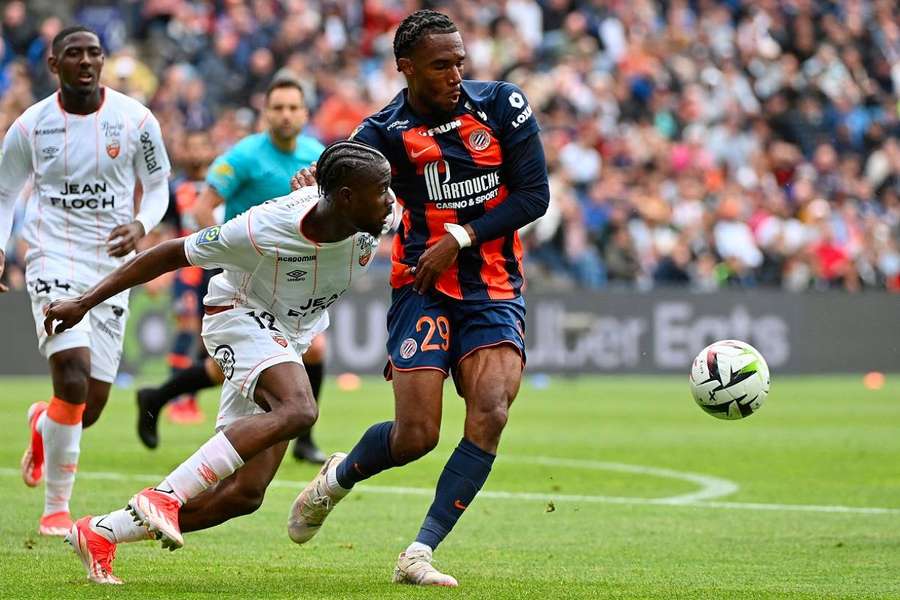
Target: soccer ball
730, 379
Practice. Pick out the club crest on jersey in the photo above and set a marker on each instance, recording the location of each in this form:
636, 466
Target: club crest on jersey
366, 244
408, 348
365, 257
209, 235
280, 339
112, 148
479, 139
297, 275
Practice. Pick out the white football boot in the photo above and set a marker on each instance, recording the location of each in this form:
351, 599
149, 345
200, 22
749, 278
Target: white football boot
309, 510
415, 568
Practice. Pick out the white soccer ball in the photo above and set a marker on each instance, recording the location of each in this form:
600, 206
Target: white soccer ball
730, 379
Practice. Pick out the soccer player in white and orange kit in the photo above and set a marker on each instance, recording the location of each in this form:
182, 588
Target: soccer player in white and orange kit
85, 147
285, 262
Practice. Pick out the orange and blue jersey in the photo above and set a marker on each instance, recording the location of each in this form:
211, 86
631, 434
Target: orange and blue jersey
483, 165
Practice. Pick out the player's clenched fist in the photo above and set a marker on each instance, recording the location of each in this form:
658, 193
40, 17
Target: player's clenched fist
67, 312
433, 262
304, 178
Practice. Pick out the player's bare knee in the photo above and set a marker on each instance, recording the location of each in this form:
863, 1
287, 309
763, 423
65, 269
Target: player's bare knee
70, 380
414, 443
300, 413
491, 421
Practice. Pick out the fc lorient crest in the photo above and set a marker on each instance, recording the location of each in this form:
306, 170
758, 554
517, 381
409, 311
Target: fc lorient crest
366, 245
112, 148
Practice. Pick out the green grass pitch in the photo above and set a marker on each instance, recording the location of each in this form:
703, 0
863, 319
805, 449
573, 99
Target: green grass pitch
604, 488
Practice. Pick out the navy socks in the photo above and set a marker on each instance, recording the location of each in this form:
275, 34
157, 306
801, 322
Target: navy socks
461, 479
371, 455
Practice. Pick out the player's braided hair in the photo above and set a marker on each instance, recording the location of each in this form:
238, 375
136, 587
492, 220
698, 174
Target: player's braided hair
416, 26
342, 158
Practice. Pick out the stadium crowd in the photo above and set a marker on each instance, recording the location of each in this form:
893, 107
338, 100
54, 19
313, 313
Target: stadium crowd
693, 143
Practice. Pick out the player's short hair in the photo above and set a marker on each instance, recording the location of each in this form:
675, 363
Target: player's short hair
59, 38
285, 82
416, 26
342, 158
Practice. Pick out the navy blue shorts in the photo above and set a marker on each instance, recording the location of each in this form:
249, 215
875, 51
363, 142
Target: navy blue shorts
188, 290
434, 331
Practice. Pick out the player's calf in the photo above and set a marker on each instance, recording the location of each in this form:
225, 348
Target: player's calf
157, 508
239, 498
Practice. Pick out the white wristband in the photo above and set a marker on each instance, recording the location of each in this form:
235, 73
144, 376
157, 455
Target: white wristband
459, 232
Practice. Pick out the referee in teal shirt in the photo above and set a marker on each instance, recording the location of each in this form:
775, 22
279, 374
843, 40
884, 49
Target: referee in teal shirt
260, 166
256, 169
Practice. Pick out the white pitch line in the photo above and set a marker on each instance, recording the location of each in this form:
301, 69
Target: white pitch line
530, 496
710, 487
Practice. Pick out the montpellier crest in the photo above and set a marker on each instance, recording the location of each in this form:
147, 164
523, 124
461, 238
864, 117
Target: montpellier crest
479, 139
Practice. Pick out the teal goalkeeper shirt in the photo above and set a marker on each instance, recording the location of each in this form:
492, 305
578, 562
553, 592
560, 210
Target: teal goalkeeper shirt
254, 171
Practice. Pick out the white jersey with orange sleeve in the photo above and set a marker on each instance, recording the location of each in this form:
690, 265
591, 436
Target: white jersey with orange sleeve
269, 266
85, 168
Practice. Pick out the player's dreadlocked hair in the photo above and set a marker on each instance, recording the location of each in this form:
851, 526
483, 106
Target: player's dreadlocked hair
342, 158
416, 26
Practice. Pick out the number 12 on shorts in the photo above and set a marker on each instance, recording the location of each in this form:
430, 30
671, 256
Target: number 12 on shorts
264, 316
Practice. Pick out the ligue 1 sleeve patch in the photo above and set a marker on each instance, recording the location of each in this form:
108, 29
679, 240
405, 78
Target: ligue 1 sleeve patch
209, 235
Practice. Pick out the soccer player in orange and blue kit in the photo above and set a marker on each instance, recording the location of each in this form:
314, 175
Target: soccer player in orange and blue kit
468, 168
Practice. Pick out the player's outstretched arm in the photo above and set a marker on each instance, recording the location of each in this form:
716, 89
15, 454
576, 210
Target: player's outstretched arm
147, 265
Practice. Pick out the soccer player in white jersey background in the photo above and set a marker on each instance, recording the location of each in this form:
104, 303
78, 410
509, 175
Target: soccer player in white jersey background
285, 262
85, 147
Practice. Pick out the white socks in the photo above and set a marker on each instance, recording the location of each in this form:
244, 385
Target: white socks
334, 488
214, 461
119, 527
61, 449
418, 547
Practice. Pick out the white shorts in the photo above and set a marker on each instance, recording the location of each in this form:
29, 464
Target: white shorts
243, 350
102, 329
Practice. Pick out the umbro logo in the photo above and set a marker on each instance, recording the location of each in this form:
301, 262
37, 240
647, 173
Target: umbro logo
297, 275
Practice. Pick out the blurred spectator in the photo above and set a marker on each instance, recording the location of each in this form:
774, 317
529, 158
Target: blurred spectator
689, 143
